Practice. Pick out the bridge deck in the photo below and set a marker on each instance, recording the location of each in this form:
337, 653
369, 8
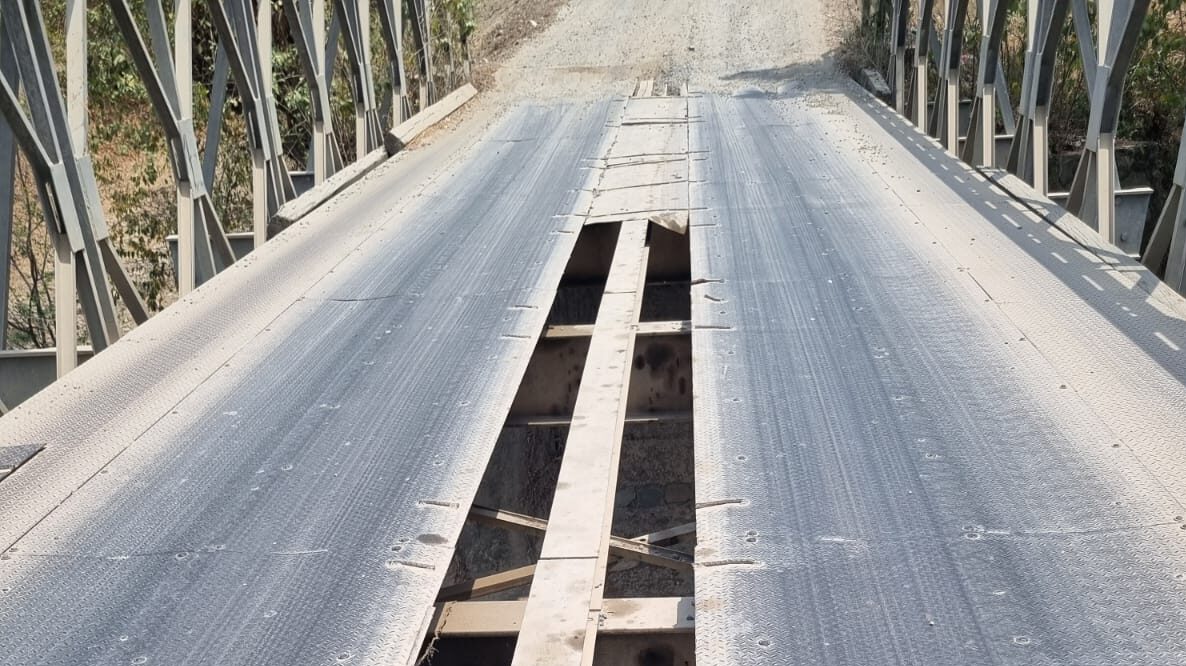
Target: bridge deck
930, 427
230, 486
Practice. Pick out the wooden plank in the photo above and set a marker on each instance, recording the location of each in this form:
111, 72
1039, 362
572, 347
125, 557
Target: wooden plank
644, 328
512, 578
646, 88
406, 132
313, 199
484, 585
658, 615
643, 551
550, 421
560, 622
669, 534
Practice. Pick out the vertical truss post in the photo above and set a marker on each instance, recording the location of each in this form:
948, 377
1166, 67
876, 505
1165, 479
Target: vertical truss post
1029, 153
65, 290
7, 191
203, 248
946, 119
366, 138
426, 16
234, 21
355, 20
980, 148
391, 20
321, 133
1093, 194
263, 31
922, 54
187, 243
1168, 243
901, 19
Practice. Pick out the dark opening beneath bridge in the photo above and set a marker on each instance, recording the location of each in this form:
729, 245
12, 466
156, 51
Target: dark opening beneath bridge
649, 573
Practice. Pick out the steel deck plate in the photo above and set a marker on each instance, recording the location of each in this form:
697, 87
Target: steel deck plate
297, 503
896, 462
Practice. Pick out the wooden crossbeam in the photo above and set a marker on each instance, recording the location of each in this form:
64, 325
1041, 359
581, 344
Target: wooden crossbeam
547, 420
644, 328
477, 619
669, 534
643, 551
512, 578
486, 585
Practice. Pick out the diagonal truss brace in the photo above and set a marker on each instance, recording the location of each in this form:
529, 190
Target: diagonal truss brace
206, 249
421, 11
391, 22
1093, 192
355, 18
304, 17
236, 31
64, 174
1168, 243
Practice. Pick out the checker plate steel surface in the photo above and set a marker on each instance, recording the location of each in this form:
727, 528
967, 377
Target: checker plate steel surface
298, 504
889, 471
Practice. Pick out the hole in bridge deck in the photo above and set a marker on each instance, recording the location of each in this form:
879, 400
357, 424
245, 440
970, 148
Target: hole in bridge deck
655, 494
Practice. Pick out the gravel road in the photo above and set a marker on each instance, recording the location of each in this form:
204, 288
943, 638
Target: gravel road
594, 48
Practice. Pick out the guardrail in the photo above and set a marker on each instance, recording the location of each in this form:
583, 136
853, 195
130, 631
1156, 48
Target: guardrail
1095, 196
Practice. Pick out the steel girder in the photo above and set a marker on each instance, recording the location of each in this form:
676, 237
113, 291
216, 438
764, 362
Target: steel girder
65, 177
236, 31
1093, 193
203, 248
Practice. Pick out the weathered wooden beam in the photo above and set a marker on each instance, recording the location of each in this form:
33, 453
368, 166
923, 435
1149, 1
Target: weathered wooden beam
643, 551
476, 619
563, 612
485, 585
644, 328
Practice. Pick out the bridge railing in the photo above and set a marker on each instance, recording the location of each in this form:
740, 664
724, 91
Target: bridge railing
1106, 54
47, 124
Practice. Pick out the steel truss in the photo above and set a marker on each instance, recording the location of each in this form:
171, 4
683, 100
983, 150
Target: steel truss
1095, 190
48, 126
